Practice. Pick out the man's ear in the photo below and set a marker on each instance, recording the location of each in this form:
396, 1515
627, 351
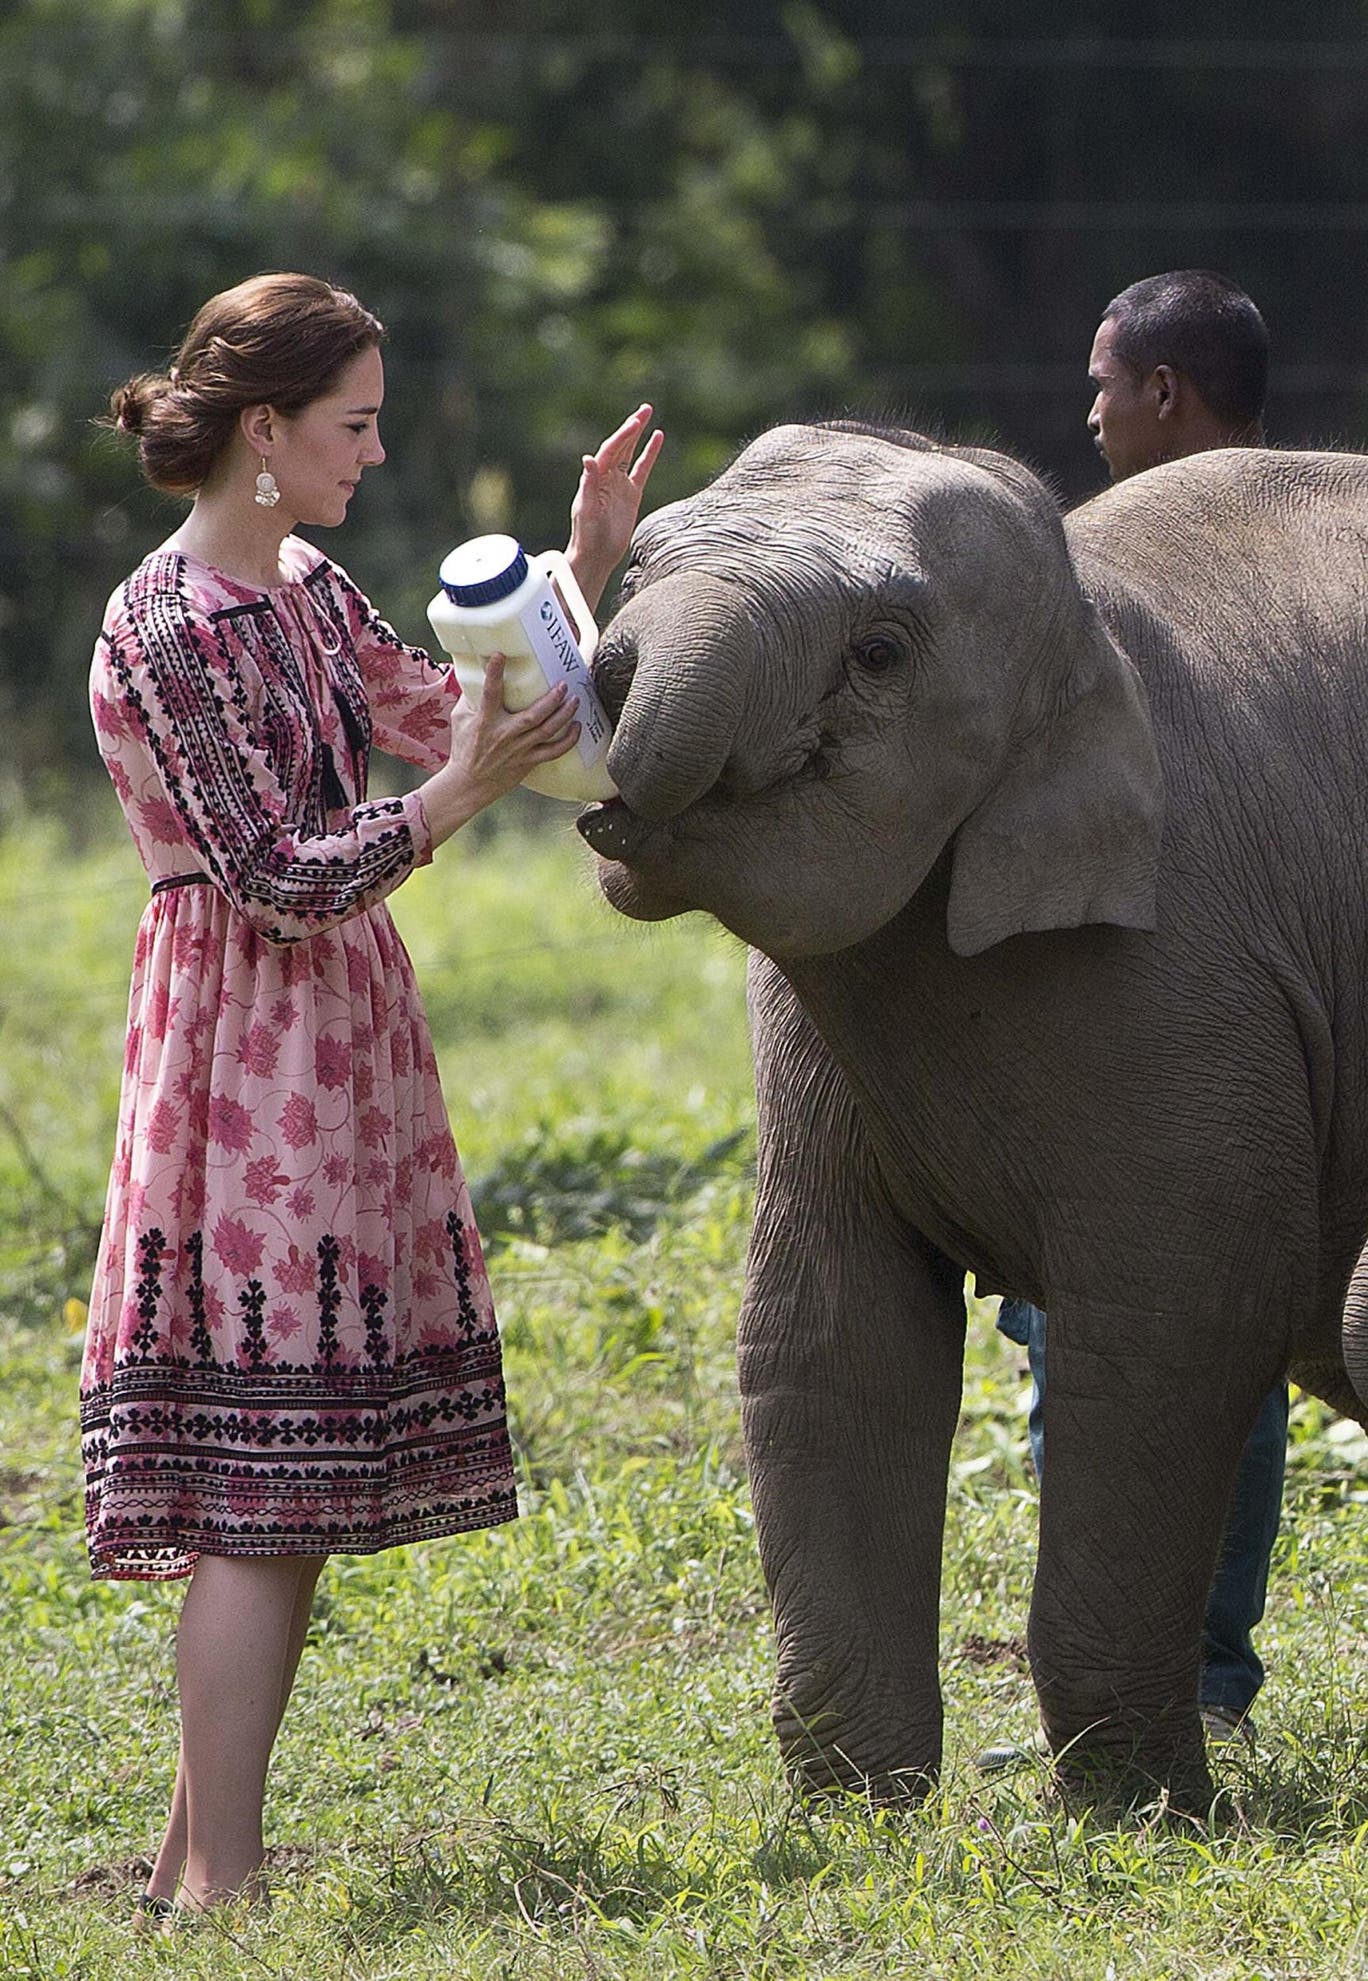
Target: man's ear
1165, 385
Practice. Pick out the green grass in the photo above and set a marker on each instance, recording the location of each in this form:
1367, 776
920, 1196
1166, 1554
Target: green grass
545, 1752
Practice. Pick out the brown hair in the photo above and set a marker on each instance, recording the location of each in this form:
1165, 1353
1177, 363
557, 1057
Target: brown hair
274, 340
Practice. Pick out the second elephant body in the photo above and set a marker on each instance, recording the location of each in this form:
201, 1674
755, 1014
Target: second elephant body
1059, 978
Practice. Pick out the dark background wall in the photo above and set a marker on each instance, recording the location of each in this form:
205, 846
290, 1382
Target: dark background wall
743, 213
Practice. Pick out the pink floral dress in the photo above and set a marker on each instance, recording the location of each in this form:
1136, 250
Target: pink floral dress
292, 1348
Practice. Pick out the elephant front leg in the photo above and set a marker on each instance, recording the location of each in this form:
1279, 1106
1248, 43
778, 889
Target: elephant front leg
1142, 1442
850, 1354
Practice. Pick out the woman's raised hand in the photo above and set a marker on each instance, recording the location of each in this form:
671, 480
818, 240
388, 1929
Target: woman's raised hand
608, 502
493, 748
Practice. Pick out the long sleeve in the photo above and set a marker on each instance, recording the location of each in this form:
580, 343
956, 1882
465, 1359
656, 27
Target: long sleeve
411, 696
177, 687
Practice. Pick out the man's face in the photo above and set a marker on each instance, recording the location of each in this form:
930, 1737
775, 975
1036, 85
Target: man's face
1124, 421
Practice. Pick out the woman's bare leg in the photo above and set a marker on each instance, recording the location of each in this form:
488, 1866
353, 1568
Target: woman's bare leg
166, 1872
310, 1568
171, 1857
237, 1639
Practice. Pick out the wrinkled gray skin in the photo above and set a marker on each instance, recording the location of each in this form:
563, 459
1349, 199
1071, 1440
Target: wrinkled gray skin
1050, 842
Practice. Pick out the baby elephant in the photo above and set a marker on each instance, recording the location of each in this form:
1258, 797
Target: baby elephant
1050, 843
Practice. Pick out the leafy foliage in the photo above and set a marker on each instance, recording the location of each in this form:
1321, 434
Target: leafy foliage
747, 215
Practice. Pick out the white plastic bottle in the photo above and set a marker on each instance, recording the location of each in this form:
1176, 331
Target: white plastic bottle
494, 598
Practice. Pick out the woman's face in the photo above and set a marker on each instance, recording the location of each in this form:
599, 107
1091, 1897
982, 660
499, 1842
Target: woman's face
321, 452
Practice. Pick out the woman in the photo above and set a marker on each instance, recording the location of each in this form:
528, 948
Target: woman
292, 1349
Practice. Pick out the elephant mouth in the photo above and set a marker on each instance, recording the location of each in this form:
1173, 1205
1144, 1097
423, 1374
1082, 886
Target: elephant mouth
619, 839
610, 828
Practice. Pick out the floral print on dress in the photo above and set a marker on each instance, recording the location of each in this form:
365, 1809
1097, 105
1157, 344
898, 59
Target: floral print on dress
292, 1347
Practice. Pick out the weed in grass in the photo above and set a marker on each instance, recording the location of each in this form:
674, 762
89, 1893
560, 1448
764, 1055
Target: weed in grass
584, 1179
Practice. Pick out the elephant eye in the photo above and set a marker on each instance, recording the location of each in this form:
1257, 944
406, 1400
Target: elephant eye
877, 655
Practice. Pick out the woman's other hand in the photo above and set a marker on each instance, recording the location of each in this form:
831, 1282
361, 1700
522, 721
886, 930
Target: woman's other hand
608, 502
493, 748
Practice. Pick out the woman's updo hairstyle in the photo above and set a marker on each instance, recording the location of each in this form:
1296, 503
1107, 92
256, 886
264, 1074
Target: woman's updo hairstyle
275, 340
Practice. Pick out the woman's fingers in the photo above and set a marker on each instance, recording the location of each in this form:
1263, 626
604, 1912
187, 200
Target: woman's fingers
555, 702
556, 732
545, 728
510, 741
641, 473
492, 705
621, 444
557, 743
551, 724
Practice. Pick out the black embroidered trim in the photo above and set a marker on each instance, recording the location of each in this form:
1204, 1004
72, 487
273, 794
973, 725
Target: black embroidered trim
329, 1298
460, 1267
180, 880
373, 1304
253, 607
201, 1341
252, 1301
150, 1249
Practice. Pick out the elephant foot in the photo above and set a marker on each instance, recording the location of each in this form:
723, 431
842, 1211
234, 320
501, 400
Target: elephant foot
825, 1755
829, 1776
1111, 1773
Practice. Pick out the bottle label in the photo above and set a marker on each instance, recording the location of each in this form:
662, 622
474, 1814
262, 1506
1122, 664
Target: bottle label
553, 642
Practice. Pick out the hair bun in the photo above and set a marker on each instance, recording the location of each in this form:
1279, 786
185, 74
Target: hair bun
130, 403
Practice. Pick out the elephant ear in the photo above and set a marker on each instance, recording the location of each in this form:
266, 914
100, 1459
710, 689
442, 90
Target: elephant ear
1070, 832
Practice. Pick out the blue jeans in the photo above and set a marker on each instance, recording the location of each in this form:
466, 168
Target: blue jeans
1231, 1669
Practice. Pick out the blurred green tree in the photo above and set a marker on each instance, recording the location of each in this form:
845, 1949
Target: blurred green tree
776, 208
551, 233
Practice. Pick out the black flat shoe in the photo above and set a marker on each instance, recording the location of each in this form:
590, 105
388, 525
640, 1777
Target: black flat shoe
154, 1916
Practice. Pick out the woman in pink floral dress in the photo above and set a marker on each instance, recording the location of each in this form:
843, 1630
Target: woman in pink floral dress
292, 1349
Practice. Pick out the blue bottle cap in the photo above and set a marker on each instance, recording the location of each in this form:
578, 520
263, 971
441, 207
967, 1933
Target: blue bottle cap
483, 571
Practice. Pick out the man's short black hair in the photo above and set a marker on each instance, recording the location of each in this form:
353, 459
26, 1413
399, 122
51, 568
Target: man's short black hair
1203, 325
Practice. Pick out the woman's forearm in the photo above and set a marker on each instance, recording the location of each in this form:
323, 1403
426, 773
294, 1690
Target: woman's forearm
591, 574
451, 798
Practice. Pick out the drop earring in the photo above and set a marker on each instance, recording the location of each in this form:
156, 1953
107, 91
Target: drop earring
267, 487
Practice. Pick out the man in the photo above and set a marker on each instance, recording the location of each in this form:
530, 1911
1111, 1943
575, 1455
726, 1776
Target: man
1180, 363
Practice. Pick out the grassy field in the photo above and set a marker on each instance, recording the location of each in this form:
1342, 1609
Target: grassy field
544, 1752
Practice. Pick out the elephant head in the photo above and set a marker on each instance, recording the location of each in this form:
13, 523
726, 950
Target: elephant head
852, 651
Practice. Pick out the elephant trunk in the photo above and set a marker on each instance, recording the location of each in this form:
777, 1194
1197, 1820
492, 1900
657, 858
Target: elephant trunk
679, 654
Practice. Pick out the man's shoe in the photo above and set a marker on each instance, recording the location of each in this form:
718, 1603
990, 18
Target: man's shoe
1005, 1754
1225, 1726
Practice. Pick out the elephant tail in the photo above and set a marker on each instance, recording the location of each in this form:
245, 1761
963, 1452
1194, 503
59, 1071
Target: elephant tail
1354, 1340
